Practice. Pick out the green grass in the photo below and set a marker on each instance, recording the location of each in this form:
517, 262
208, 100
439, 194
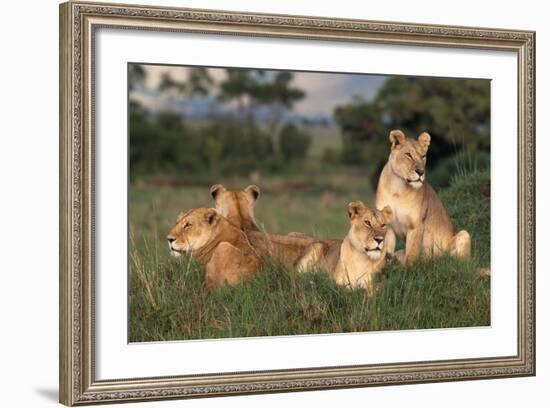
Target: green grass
169, 301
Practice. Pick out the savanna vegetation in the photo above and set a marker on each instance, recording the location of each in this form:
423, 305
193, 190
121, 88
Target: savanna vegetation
308, 171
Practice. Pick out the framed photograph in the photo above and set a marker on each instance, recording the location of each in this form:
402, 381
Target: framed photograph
256, 203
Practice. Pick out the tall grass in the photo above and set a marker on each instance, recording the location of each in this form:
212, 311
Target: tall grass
169, 300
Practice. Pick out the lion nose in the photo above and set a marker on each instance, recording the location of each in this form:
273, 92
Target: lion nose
378, 239
170, 240
420, 172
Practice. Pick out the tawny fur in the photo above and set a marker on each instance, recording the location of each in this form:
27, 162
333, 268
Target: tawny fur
217, 244
229, 254
237, 205
282, 249
353, 261
419, 215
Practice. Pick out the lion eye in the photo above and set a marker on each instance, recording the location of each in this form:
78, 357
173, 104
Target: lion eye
409, 156
383, 225
367, 222
424, 157
186, 226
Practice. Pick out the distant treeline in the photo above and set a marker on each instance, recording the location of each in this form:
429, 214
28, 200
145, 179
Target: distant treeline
224, 145
455, 112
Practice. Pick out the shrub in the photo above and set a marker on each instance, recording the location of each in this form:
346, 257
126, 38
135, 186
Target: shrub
294, 142
330, 155
460, 163
468, 201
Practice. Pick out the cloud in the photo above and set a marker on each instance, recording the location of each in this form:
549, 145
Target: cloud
152, 102
154, 73
324, 91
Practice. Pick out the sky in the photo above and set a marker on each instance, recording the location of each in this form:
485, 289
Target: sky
324, 91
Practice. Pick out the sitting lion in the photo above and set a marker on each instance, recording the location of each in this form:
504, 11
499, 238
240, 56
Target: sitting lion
354, 261
217, 244
419, 215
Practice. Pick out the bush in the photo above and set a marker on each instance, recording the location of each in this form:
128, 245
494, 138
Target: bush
330, 155
468, 201
159, 145
234, 147
294, 142
460, 163
166, 145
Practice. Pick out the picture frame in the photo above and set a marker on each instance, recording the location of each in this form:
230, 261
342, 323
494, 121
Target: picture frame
79, 23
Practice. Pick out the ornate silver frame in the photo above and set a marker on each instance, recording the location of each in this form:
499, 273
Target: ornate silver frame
78, 22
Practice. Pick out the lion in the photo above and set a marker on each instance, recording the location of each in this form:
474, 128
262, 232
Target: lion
229, 254
353, 261
237, 206
419, 215
280, 249
217, 244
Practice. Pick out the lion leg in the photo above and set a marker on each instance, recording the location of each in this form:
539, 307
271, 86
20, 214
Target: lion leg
312, 256
461, 246
389, 242
400, 256
229, 266
366, 283
484, 271
413, 245
298, 235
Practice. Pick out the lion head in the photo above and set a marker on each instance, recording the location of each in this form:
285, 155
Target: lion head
368, 228
193, 230
408, 157
237, 205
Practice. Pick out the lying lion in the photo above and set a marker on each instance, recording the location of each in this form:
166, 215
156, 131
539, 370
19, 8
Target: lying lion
230, 255
419, 215
237, 205
217, 244
354, 261
281, 249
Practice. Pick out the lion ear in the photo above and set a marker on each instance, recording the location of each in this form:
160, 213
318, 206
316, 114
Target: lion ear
354, 208
388, 213
253, 191
211, 215
397, 138
216, 189
424, 140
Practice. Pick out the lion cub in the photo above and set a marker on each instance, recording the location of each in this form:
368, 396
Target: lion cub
353, 261
217, 244
419, 215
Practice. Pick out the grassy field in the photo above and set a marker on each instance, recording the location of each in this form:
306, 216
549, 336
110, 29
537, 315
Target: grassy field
168, 299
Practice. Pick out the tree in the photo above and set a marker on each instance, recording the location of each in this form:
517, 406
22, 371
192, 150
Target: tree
455, 112
253, 89
198, 83
362, 130
136, 76
243, 86
280, 96
294, 142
